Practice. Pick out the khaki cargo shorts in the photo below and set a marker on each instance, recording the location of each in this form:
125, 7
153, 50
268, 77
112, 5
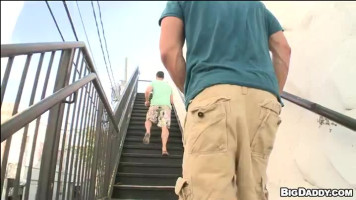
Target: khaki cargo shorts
160, 115
228, 137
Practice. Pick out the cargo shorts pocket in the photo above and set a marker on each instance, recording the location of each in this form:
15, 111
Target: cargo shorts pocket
183, 190
269, 120
206, 130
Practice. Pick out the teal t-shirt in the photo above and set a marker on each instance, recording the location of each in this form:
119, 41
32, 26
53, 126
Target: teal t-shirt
161, 93
227, 43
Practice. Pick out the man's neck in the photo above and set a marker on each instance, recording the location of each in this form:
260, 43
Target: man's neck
159, 79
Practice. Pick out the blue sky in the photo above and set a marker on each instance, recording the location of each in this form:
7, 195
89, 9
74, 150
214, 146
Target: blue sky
131, 30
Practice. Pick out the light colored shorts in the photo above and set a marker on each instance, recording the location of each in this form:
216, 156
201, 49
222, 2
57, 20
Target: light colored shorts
228, 136
160, 115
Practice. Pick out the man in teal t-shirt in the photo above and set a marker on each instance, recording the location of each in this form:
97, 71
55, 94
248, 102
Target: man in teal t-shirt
232, 93
159, 111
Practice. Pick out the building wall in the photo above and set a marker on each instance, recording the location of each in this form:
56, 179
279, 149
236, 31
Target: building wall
323, 38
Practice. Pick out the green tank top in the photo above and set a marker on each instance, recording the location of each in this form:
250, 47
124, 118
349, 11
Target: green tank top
161, 93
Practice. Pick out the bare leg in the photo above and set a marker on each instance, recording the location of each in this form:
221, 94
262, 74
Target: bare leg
146, 138
148, 125
164, 136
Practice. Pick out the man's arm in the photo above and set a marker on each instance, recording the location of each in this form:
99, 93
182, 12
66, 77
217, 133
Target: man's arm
171, 44
172, 99
147, 95
281, 52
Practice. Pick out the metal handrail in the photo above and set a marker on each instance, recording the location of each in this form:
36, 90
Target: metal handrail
8, 50
19, 120
341, 119
106, 131
127, 101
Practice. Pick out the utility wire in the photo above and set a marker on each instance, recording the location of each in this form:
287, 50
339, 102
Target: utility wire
70, 20
101, 45
106, 45
55, 21
80, 14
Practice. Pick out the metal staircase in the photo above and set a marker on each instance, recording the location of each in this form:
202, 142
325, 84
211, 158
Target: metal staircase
143, 173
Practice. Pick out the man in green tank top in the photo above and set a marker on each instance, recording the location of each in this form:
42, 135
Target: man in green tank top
232, 93
159, 111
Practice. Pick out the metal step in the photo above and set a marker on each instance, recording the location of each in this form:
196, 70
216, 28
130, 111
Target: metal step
151, 149
157, 145
154, 135
142, 128
150, 168
142, 118
151, 158
153, 140
142, 124
147, 179
144, 192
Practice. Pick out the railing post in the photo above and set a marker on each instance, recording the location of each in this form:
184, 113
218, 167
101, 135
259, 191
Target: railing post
97, 139
51, 142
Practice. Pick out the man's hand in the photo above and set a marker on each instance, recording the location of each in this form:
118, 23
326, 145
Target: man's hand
147, 103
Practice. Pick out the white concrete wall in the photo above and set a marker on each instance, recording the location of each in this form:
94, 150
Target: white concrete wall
309, 152
323, 66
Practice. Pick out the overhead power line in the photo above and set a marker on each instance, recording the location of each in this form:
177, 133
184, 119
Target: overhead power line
55, 21
106, 45
101, 45
70, 20
80, 14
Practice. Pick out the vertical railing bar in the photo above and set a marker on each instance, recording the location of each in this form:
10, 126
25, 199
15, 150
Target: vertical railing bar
87, 140
14, 111
80, 134
114, 151
24, 136
6, 77
112, 156
89, 164
93, 175
54, 124
108, 157
105, 160
69, 155
80, 113
75, 70
102, 163
71, 135
34, 142
101, 157
83, 132
65, 134
62, 152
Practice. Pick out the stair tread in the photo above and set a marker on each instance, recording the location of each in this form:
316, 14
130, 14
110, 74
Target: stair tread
139, 139
148, 175
168, 165
148, 146
151, 155
159, 187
